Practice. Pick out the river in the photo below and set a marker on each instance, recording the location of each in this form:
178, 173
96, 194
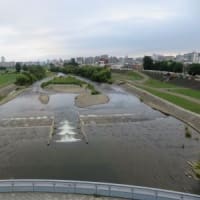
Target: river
146, 149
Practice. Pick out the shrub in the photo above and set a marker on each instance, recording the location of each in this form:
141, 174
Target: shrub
93, 73
22, 79
187, 132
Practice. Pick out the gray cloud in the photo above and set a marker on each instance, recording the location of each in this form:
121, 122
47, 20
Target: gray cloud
35, 29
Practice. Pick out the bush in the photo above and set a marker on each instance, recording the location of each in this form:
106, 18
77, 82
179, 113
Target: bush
93, 73
194, 69
32, 74
22, 79
93, 90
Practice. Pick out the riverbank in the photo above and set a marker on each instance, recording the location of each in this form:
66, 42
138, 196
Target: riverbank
183, 97
10, 92
190, 118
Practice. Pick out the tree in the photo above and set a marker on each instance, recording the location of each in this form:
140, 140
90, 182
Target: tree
25, 68
194, 69
177, 67
148, 62
22, 79
18, 67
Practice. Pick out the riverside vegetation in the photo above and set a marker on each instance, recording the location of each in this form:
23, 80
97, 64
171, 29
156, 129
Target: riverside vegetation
30, 75
98, 74
186, 98
70, 80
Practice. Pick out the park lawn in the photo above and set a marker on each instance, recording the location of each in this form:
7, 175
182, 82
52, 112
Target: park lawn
7, 78
188, 105
159, 84
187, 92
129, 75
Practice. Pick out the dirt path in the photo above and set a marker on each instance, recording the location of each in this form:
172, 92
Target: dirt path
164, 90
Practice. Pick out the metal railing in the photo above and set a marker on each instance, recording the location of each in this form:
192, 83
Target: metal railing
93, 188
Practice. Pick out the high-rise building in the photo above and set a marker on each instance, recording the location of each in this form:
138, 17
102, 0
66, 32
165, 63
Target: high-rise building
3, 59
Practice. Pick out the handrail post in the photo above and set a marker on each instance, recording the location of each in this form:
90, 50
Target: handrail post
54, 186
182, 197
33, 186
109, 191
96, 188
12, 186
156, 194
75, 188
132, 193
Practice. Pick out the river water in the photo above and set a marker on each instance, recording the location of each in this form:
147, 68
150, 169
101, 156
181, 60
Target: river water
150, 149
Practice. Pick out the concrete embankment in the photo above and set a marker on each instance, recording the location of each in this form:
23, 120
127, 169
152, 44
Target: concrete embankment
190, 118
10, 92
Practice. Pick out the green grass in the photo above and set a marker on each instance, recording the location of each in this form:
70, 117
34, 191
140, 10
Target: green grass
129, 75
7, 78
70, 80
93, 90
159, 84
196, 168
187, 92
64, 80
2, 97
194, 107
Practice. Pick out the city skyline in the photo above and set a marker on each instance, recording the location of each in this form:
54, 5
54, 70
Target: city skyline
39, 30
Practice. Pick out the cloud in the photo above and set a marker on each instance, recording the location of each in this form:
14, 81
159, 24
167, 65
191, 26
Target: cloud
35, 29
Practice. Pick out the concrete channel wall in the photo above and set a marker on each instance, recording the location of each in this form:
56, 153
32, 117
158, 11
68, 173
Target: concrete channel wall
92, 188
190, 118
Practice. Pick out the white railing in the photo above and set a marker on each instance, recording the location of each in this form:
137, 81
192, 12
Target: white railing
93, 188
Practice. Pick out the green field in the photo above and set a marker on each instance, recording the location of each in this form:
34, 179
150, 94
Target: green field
132, 76
194, 107
187, 92
7, 78
159, 84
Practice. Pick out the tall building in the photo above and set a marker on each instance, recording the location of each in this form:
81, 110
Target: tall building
3, 59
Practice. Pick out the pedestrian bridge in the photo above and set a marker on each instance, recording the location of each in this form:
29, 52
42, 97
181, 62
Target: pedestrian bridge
92, 188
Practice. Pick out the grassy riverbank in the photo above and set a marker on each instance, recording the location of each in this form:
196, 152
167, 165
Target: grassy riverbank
70, 80
7, 78
194, 107
186, 98
187, 92
128, 75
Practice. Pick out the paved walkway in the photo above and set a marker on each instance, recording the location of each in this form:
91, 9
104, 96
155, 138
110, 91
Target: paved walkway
49, 196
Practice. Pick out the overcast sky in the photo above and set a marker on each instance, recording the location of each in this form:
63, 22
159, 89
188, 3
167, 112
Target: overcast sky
41, 29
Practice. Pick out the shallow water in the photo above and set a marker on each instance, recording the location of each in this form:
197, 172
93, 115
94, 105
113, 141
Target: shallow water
145, 150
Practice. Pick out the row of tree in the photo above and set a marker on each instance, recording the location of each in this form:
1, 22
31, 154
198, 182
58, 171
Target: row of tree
29, 75
170, 66
97, 74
